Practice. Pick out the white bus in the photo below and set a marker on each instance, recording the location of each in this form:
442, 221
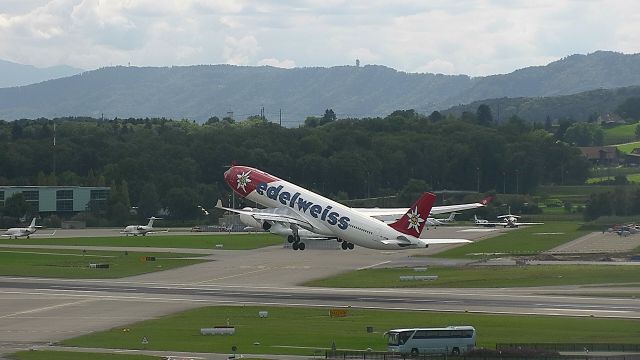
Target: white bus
453, 340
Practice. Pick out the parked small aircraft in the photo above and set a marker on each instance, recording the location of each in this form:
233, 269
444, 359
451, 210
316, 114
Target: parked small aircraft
508, 220
143, 230
25, 231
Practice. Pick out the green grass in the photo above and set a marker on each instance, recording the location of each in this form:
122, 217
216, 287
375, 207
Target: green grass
302, 330
527, 240
632, 178
69, 355
228, 241
75, 263
620, 134
485, 276
628, 147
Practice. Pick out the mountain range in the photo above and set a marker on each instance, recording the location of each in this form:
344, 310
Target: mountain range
13, 74
199, 92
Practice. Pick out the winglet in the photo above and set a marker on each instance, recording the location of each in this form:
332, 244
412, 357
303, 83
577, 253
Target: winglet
414, 220
219, 204
486, 200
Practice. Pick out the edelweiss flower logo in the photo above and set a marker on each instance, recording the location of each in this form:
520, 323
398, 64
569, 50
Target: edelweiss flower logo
243, 180
415, 220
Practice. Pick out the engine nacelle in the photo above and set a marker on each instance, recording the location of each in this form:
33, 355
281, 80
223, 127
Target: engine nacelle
249, 221
266, 226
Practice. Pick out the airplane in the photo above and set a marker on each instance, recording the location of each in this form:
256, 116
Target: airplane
298, 209
509, 220
482, 222
28, 231
143, 230
436, 222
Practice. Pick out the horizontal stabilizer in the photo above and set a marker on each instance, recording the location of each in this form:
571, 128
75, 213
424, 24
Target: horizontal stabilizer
445, 241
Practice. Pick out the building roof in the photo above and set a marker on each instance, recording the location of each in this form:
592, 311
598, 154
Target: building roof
599, 152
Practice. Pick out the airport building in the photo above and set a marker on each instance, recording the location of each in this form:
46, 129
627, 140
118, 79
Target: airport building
57, 199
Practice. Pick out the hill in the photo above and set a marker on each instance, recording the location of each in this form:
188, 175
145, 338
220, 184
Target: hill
12, 74
536, 109
198, 92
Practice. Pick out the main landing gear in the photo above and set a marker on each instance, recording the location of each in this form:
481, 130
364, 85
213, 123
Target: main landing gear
295, 242
346, 245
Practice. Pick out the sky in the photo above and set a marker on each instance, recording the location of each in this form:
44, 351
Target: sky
473, 37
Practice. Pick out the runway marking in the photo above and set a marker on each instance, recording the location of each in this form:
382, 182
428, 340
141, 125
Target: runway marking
229, 277
374, 265
46, 308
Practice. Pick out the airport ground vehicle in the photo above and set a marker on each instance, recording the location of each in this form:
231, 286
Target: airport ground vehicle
453, 340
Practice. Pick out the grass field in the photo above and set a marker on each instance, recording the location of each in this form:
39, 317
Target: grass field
303, 330
620, 134
228, 241
67, 355
485, 276
628, 147
526, 240
75, 263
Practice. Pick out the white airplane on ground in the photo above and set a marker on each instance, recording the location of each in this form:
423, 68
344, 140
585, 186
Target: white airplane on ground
296, 208
143, 230
28, 231
482, 222
436, 222
508, 220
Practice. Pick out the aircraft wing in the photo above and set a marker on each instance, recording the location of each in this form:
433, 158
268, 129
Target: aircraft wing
157, 231
272, 214
41, 234
445, 209
403, 241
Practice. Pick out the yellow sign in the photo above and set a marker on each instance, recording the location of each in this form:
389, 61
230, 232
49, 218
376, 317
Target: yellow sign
337, 312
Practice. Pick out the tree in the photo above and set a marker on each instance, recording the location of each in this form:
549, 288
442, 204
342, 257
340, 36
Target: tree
149, 201
584, 134
17, 206
212, 120
436, 116
547, 123
182, 203
484, 116
328, 117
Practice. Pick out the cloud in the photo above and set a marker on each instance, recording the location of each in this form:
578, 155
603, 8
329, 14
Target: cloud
240, 51
475, 37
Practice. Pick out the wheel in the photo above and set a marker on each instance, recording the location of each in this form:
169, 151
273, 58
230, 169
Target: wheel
414, 352
455, 351
295, 246
290, 239
345, 245
301, 246
350, 246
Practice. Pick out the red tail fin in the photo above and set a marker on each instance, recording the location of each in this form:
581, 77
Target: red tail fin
486, 200
414, 220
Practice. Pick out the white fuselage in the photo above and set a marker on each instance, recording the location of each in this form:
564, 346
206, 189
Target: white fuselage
19, 232
136, 230
328, 217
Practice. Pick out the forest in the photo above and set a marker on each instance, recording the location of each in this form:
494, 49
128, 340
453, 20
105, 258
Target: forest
175, 165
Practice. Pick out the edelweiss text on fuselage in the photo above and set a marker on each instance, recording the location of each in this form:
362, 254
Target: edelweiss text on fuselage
315, 210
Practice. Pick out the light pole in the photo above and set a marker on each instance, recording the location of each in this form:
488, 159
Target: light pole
478, 174
517, 180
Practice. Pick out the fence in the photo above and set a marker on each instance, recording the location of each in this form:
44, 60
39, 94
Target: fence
573, 347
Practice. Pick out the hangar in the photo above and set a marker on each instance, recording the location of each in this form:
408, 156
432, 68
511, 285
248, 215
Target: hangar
57, 199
